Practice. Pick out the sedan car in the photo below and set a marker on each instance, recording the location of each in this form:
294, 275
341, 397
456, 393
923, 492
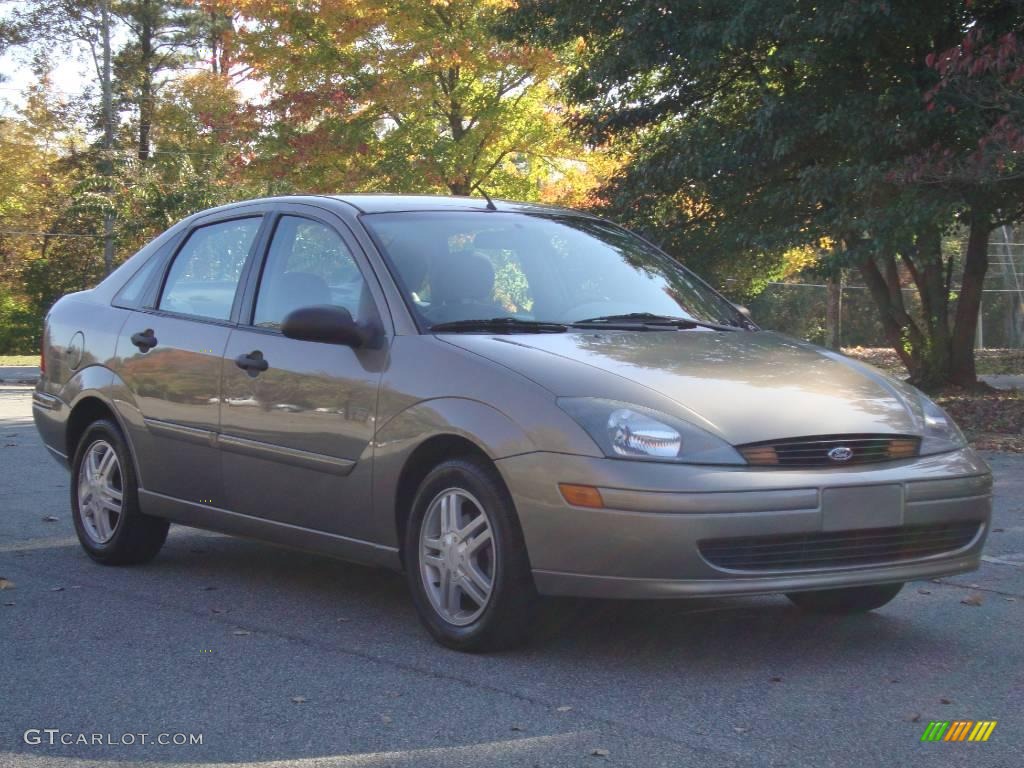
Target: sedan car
505, 401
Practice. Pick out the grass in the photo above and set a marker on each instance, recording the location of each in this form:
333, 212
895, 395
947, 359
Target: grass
19, 361
992, 419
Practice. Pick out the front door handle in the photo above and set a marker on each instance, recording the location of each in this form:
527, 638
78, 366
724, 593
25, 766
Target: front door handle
254, 363
144, 340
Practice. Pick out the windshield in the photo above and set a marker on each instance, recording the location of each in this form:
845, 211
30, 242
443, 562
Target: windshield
463, 266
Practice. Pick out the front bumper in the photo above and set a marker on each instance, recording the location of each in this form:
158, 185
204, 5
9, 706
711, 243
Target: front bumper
644, 543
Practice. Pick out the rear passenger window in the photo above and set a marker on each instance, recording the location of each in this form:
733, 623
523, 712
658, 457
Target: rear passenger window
205, 273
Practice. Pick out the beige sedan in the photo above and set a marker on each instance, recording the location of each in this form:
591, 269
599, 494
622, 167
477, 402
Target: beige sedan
505, 401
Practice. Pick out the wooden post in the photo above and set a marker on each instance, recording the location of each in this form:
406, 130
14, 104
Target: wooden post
834, 311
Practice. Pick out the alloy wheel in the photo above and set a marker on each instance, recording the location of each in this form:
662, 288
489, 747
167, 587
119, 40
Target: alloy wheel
457, 556
100, 492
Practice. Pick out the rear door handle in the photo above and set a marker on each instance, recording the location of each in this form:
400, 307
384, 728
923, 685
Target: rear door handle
254, 363
144, 340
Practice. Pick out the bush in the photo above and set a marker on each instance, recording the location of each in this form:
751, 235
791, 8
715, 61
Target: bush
19, 328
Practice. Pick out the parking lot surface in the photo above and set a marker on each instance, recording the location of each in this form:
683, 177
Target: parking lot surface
278, 658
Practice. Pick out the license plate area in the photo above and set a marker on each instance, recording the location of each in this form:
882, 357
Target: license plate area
869, 506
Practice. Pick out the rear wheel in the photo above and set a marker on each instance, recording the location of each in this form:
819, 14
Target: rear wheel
847, 599
105, 501
466, 560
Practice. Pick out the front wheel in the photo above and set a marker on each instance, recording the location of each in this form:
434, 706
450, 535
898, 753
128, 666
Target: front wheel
846, 600
466, 560
105, 501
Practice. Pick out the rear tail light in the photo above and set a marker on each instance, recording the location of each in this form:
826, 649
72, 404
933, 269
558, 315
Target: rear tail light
42, 354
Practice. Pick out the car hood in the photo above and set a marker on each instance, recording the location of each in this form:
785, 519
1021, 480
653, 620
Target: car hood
744, 386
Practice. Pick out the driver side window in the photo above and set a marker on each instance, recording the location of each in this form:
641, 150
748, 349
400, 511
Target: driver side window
308, 264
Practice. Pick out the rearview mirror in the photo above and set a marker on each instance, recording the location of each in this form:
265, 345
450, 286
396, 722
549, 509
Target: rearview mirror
324, 323
743, 311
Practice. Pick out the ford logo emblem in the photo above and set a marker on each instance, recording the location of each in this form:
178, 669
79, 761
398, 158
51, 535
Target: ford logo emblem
840, 453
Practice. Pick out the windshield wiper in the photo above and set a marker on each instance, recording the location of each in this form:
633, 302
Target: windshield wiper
500, 325
647, 320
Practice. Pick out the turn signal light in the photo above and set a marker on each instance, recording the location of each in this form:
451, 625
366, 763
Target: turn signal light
581, 495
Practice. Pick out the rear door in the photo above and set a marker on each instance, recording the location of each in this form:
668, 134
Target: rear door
296, 429
171, 351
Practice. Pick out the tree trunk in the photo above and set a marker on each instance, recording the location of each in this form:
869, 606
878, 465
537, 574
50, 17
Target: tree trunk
925, 265
146, 87
107, 89
962, 370
900, 329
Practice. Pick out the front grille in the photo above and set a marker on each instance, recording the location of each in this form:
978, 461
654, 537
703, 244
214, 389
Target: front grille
814, 451
805, 551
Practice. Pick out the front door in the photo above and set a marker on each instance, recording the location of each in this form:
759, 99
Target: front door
170, 360
298, 417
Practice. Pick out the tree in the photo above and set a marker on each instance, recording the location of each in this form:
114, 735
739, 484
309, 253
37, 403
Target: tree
762, 125
163, 35
404, 95
42, 167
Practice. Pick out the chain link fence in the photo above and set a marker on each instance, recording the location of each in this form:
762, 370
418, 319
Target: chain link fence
800, 308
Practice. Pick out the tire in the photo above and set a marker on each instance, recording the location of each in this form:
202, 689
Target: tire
101, 468
505, 618
847, 600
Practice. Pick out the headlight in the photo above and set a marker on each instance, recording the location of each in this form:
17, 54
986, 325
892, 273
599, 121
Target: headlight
939, 433
625, 431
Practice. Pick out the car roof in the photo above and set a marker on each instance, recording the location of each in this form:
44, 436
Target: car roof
391, 203
370, 203
383, 203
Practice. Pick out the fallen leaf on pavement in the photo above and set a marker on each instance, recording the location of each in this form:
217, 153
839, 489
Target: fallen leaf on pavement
56, 589
218, 610
9, 604
945, 701
924, 591
564, 709
6, 584
973, 600
516, 728
740, 729
1010, 599
207, 589
914, 717
298, 699
50, 519
385, 718
241, 632
600, 753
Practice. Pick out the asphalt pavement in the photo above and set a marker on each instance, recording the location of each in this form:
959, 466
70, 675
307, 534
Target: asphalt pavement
277, 658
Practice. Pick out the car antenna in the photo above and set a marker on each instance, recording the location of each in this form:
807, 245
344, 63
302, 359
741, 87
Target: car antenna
490, 203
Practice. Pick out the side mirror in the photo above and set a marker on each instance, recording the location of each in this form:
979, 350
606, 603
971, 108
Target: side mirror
324, 323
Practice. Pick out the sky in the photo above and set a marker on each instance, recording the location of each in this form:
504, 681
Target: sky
70, 76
